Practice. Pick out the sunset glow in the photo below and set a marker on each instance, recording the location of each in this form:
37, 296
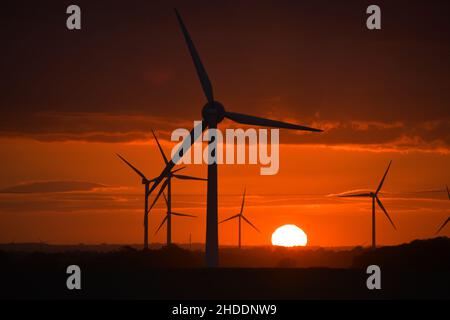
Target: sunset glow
60, 177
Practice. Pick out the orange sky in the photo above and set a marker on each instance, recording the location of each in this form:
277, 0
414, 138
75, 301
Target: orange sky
302, 194
71, 100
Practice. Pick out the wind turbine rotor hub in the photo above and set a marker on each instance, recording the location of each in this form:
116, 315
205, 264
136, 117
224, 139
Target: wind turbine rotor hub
213, 112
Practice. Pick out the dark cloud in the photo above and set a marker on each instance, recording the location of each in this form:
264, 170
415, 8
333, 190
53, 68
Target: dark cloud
427, 136
129, 202
52, 187
313, 61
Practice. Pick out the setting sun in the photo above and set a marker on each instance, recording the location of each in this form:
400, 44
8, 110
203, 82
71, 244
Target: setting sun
289, 236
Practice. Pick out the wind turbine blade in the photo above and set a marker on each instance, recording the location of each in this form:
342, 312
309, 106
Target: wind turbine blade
243, 200
384, 177
443, 225
162, 223
187, 142
165, 199
448, 192
357, 195
179, 169
230, 218
201, 72
182, 177
163, 174
159, 194
385, 212
132, 167
183, 214
160, 149
248, 221
257, 121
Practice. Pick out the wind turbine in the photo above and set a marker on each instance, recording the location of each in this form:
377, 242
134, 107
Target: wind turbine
374, 196
213, 113
168, 183
448, 219
443, 225
241, 216
146, 182
168, 219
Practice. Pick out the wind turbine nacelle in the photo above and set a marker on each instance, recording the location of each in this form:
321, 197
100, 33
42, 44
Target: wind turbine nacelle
213, 112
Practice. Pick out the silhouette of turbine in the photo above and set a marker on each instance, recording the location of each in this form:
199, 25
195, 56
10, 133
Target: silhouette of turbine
446, 221
374, 196
443, 225
146, 182
168, 219
241, 216
213, 113
168, 183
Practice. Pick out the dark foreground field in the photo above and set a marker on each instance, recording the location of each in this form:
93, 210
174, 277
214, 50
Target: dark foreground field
419, 270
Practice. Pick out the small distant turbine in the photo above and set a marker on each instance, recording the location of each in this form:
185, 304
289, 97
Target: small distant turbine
168, 219
168, 183
446, 221
443, 225
374, 196
241, 216
190, 241
146, 182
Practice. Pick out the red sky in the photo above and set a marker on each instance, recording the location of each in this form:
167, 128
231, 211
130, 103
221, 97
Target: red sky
71, 100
